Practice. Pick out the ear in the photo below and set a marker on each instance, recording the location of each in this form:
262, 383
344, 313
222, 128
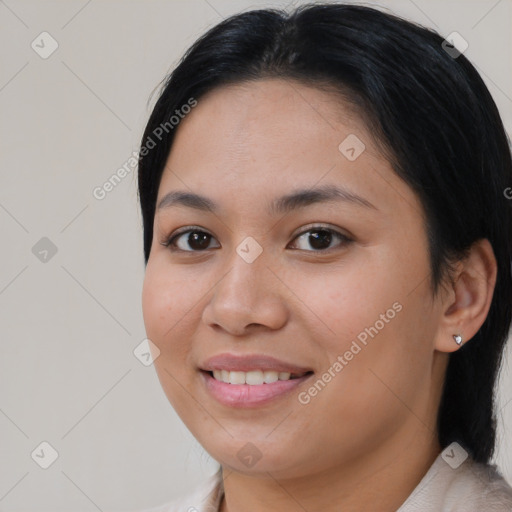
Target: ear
467, 301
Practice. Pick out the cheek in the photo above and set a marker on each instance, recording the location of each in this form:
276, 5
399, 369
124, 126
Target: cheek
169, 316
373, 322
167, 306
381, 333
353, 299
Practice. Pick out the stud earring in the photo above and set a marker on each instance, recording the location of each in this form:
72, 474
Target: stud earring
458, 339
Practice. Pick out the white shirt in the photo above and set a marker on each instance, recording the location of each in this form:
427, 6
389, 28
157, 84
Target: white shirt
471, 487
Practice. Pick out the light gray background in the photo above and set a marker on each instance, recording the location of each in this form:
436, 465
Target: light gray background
69, 325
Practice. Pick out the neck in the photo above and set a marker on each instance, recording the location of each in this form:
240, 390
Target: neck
381, 480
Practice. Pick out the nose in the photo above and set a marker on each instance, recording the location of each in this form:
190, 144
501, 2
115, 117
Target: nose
248, 297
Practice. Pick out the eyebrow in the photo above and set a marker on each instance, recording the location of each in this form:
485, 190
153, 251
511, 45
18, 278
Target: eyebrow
293, 201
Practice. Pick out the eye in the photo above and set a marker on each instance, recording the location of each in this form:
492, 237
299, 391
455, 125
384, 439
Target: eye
195, 241
320, 238
192, 239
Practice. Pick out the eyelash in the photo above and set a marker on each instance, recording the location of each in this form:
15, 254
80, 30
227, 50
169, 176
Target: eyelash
170, 241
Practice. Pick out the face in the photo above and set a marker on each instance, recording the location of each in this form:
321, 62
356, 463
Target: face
333, 286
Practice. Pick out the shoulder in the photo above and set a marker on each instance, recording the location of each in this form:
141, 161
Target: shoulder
481, 487
470, 487
203, 498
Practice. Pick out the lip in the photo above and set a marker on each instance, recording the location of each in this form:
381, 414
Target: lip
246, 363
245, 396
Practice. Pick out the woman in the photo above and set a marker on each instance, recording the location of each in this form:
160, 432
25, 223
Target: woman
328, 287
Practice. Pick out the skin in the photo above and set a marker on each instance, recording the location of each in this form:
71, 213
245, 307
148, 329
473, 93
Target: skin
365, 441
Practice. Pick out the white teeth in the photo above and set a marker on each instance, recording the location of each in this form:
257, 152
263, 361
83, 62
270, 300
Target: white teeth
269, 377
252, 378
237, 377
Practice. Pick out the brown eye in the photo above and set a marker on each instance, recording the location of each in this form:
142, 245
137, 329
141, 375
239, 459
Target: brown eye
320, 239
192, 240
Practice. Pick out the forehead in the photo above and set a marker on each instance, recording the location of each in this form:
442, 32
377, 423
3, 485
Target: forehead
271, 110
266, 137
272, 123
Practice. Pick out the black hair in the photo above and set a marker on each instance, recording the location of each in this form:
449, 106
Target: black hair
433, 116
